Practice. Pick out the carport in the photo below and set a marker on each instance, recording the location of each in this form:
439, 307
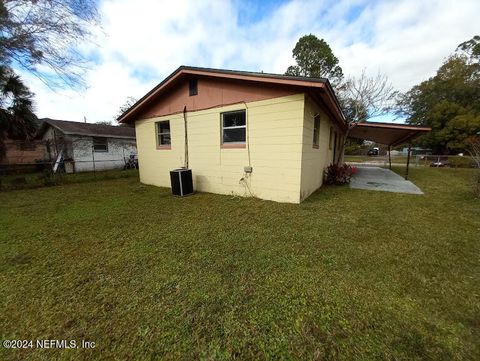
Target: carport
389, 134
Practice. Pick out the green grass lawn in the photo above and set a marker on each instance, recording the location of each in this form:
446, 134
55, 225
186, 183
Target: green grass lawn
348, 274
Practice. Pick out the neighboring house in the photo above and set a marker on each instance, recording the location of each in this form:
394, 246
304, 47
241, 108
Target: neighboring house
86, 146
22, 152
242, 133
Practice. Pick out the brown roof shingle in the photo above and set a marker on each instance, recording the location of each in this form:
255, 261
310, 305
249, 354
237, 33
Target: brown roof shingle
303, 82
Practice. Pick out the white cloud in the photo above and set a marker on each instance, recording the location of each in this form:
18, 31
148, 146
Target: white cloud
410, 39
109, 85
143, 41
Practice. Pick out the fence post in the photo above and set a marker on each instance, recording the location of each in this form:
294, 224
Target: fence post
389, 158
93, 160
408, 162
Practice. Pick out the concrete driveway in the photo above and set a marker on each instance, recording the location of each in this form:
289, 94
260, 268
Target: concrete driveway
381, 179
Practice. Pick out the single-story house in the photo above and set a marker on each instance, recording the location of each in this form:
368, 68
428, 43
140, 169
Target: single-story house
242, 133
81, 147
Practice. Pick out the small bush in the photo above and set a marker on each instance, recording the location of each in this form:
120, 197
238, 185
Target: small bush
19, 182
461, 162
339, 173
48, 179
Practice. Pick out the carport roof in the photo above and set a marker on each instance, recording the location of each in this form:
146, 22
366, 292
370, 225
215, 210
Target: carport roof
386, 133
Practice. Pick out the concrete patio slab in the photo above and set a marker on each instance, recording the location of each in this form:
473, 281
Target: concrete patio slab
381, 179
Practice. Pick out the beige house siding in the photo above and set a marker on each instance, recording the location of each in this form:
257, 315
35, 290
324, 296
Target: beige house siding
275, 137
315, 160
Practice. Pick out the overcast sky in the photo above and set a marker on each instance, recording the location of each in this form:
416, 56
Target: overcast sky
143, 41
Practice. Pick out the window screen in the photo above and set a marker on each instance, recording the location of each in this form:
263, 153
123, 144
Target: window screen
193, 87
163, 133
234, 127
330, 143
100, 144
316, 130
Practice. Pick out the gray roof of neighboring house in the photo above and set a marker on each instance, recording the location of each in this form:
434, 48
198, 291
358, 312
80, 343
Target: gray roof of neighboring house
87, 129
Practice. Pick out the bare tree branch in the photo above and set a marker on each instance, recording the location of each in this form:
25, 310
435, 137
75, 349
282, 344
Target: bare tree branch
366, 97
474, 149
129, 102
47, 32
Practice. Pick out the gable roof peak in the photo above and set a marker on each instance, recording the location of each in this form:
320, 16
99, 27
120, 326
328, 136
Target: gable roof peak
302, 83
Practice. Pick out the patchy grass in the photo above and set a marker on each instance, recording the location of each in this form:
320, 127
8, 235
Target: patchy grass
47, 179
348, 274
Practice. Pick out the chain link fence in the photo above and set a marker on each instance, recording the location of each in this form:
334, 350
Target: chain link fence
45, 163
28, 176
427, 160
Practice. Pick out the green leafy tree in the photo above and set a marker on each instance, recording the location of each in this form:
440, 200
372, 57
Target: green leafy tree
17, 119
315, 59
361, 97
449, 103
471, 48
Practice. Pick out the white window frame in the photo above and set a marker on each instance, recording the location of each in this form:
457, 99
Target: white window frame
158, 134
233, 127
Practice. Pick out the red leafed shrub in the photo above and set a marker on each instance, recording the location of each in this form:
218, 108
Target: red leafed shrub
339, 173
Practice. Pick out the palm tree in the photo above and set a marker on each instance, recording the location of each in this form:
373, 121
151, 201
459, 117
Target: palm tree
17, 120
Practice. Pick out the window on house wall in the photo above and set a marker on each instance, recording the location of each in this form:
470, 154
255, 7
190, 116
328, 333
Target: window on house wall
234, 127
163, 133
100, 144
331, 139
335, 146
193, 87
316, 131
